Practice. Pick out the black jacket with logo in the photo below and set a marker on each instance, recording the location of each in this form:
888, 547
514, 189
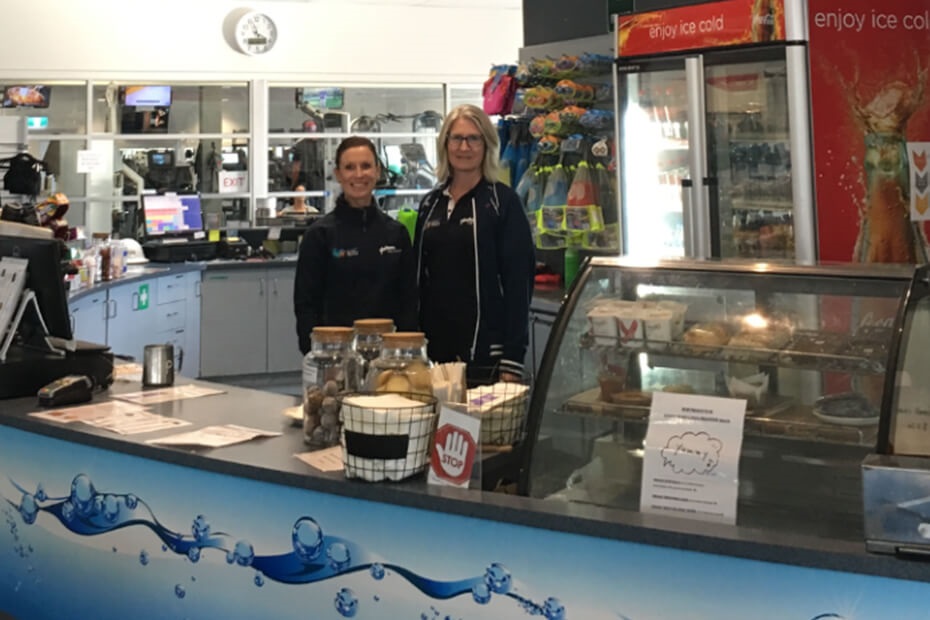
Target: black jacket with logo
354, 264
475, 269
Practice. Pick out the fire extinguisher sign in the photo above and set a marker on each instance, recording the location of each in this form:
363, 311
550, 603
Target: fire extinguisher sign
455, 446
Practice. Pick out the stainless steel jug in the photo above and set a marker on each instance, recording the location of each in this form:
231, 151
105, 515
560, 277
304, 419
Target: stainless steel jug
158, 365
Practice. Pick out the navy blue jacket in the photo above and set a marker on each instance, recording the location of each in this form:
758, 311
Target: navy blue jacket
354, 264
504, 260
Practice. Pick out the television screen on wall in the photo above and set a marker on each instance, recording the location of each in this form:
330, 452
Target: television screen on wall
146, 96
26, 96
321, 98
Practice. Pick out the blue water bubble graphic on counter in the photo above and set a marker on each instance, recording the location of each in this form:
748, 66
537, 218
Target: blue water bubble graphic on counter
481, 593
346, 603
110, 508
497, 579
339, 556
553, 609
307, 537
313, 556
28, 509
244, 553
200, 529
82, 493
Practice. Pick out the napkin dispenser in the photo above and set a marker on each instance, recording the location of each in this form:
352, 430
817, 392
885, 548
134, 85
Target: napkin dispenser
896, 504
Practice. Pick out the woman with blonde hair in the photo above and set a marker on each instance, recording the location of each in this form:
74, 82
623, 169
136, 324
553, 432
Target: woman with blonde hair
475, 259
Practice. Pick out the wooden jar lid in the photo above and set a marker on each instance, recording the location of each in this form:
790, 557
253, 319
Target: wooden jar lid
399, 340
332, 334
373, 326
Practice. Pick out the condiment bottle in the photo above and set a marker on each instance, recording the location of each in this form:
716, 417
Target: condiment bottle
325, 375
402, 365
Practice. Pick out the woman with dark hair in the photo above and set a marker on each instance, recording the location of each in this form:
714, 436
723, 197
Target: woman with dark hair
475, 255
355, 262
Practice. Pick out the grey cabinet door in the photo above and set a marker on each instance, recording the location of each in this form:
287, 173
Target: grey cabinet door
283, 349
192, 327
131, 322
89, 317
233, 328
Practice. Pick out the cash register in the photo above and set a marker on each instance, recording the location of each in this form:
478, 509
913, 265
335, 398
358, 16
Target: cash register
174, 230
37, 346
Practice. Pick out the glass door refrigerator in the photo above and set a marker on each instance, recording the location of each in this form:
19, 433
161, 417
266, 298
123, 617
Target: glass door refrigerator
714, 127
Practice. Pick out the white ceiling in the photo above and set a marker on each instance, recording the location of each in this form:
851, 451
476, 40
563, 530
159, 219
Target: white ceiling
504, 5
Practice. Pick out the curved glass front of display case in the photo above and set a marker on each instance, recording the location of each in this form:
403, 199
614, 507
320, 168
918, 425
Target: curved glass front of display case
806, 349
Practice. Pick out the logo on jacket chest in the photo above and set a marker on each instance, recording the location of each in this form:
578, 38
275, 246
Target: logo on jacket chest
345, 253
388, 249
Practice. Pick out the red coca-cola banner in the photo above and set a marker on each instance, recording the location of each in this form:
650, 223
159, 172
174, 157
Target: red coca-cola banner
700, 26
871, 122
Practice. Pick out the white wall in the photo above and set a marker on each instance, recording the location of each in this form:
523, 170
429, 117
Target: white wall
318, 40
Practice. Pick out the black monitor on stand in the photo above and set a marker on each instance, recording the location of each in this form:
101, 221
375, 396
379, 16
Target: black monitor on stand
45, 278
42, 349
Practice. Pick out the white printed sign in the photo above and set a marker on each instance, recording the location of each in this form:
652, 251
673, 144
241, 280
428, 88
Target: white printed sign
691, 460
89, 161
233, 181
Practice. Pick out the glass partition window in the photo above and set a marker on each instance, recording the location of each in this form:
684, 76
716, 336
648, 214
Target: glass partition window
52, 107
402, 121
145, 135
151, 108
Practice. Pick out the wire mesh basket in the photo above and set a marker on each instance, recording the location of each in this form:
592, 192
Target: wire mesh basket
386, 436
502, 408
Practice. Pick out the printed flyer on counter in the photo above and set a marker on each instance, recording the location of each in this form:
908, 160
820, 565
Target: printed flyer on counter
691, 461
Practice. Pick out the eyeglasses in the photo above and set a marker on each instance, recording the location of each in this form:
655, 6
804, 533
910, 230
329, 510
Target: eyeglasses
473, 141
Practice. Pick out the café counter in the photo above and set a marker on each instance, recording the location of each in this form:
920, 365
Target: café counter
104, 525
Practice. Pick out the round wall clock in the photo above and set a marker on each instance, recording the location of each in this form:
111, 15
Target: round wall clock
253, 32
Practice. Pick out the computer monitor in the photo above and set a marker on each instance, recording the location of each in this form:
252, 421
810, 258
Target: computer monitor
44, 276
26, 96
172, 214
160, 159
146, 95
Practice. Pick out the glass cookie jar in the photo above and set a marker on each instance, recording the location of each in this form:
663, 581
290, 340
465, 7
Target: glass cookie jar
402, 365
329, 368
368, 340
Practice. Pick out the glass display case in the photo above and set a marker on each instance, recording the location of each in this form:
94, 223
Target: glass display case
807, 348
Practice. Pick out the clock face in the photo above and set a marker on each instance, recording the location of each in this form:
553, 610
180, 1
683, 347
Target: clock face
256, 33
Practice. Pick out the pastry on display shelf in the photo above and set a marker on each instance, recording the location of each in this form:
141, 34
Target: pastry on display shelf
711, 333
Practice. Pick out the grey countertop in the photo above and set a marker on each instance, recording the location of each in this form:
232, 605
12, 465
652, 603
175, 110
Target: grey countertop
150, 270
271, 460
544, 300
